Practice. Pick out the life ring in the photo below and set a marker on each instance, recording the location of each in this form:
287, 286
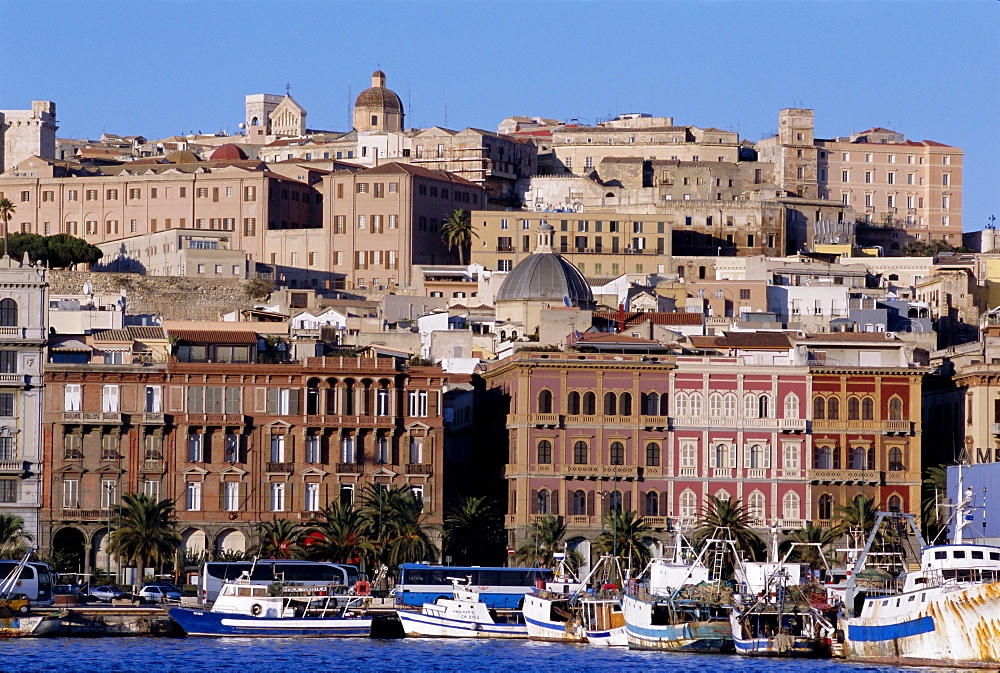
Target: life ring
256, 609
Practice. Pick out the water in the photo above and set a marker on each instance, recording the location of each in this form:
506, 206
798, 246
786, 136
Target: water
301, 655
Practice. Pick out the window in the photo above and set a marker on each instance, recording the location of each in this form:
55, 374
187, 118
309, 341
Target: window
232, 448
650, 404
833, 409
895, 409
573, 404
715, 404
277, 448
154, 399
895, 505
579, 503
109, 493
542, 502
896, 459
109, 398
854, 409
8, 452
756, 457
867, 409
278, 497
347, 450
652, 454
417, 450
790, 505
6, 404
821, 458
545, 402
8, 313
580, 453
71, 494
695, 402
589, 404
417, 403
231, 496
825, 506
790, 457
313, 449
312, 497
610, 404
72, 397
689, 455
819, 408
756, 506
544, 452
722, 456
688, 504
282, 401
195, 447
791, 405
945, 179
617, 453
856, 458
382, 450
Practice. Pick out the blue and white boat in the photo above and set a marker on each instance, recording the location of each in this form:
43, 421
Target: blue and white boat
463, 615
245, 609
943, 611
552, 610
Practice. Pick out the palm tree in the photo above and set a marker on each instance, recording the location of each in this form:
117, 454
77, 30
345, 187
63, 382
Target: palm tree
935, 491
278, 538
338, 536
474, 532
811, 535
858, 514
544, 540
13, 540
146, 532
623, 534
395, 519
729, 514
457, 232
7, 209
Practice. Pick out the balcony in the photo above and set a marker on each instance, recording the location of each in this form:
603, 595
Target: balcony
792, 424
722, 473
579, 520
582, 420
84, 514
871, 477
898, 427
544, 420
92, 417
348, 468
659, 422
418, 468
11, 465
153, 418
788, 473
279, 467
791, 523
347, 421
603, 471
13, 379
655, 521
215, 419
881, 427
153, 465
757, 473
687, 472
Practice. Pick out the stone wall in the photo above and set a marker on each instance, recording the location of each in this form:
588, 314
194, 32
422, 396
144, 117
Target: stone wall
173, 297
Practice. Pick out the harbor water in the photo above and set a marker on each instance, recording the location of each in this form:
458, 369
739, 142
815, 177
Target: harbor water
153, 655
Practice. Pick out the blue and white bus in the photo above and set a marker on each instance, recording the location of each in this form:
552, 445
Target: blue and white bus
498, 587
265, 571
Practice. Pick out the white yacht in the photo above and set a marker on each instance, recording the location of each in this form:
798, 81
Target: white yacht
462, 616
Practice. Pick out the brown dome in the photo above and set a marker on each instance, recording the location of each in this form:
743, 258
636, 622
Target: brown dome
381, 98
228, 152
181, 157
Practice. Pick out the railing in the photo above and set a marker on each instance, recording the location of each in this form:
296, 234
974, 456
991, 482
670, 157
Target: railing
904, 427
349, 468
733, 422
655, 421
655, 521
418, 468
687, 472
579, 519
867, 476
603, 470
544, 419
85, 514
757, 473
722, 472
11, 465
791, 523
215, 419
896, 477
91, 417
152, 465
793, 424
11, 331
581, 420
791, 473
14, 379
152, 417
279, 467
340, 420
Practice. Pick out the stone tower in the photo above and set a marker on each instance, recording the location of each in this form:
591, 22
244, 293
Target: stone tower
378, 108
27, 133
259, 107
795, 165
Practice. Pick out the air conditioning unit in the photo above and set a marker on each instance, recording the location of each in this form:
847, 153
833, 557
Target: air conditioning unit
890, 335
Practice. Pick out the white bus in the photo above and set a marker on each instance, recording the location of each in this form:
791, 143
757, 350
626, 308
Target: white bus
266, 571
35, 581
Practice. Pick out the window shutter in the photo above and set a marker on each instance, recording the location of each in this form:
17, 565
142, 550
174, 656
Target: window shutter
767, 456
261, 400
664, 504
590, 503
732, 455
222, 496
605, 507
712, 456
432, 404
747, 456
554, 502
628, 501
176, 398
293, 401
194, 400
534, 501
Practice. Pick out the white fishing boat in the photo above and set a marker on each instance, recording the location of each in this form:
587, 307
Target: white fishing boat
602, 618
463, 615
944, 610
551, 610
245, 609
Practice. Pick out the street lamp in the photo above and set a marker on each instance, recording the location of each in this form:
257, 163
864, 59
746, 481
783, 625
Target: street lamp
109, 487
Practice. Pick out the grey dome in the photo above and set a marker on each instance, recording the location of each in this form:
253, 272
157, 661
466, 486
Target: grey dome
546, 276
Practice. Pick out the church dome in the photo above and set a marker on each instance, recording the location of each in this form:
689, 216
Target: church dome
181, 157
228, 152
546, 276
379, 96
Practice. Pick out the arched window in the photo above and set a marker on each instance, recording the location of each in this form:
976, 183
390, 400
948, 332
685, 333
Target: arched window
688, 504
652, 454
893, 276
589, 404
681, 402
833, 409
651, 404
614, 503
871, 458
854, 409
617, 453
580, 453
895, 406
573, 404
542, 504
819, 409
821, 458
544, 452
790, 457
755, 457
895, 459
825, 506
856, 458
689, 455
764, 406
545, 402
868, 409
755, 506
729, 405
579, 503
720, 456
652, 504
625, 404
610, 404
895, 504
715, 404
8, 312
723, 494
750, 405
790, 505
791, 405
695, 402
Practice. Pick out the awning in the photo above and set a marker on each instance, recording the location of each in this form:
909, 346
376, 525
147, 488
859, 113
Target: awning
71, 346
209, 336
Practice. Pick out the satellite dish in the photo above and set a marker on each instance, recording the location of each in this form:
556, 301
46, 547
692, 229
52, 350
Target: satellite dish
88, 288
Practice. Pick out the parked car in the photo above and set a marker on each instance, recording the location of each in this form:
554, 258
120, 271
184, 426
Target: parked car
15, 602
154, 593
105, 594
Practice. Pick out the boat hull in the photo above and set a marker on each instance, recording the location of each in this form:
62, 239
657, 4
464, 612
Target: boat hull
615, 637
205, 623
20, 626
416, 624
794, 646
712, 636
956, 627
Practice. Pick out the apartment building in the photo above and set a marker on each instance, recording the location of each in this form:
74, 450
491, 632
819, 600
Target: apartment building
230, 441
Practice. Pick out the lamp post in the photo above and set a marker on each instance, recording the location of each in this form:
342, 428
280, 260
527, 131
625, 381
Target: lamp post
109, 487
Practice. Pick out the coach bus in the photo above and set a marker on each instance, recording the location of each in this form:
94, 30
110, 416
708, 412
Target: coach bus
418, 583
35, 581
266, 571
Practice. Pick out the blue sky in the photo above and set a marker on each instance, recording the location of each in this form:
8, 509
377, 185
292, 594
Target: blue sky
930, 70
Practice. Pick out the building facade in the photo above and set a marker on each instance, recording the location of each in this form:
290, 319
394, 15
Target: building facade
27, 133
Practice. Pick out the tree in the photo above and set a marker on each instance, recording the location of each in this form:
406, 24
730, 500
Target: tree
13, 540
278, 538
935, 492
394, 516
457, 231
858, 514
338, 536
623, 533
7, 209
474, 532
811, 535
59, 251
729, 515
146, 531
543, 541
